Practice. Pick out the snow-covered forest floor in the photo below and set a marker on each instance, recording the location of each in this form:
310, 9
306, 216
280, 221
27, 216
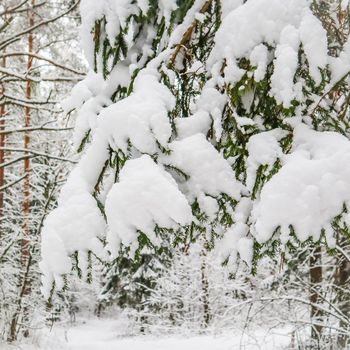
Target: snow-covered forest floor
107, 334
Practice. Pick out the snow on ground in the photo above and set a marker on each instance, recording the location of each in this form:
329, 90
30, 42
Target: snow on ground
102, 334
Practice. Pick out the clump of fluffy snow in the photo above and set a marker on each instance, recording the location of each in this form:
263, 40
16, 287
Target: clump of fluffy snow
259, 58
208, 110
97, 97
236, 239
90, 86
140, 119
145, 196
74, 226
284, 25
341, 65
310, 189
286, 63
314, 39
209, 173
263, 148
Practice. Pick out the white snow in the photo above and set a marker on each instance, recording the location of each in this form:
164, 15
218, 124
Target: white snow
208, 109
263, 148
309, 190
284, 25
145, 196
314, 39
259, 58
142, 118
102, 334
209, 173
285, 65
341, 65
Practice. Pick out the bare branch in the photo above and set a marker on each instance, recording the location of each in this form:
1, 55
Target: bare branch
39, 57
33, 128
14, 37
36, 153
12, 183
13, 9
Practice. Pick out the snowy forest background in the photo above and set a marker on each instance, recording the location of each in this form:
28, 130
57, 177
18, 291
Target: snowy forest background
180, 168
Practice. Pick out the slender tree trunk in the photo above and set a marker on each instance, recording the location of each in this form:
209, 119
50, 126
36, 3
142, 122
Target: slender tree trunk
315, 281
26, 262
205, 287
2, 143
27, 109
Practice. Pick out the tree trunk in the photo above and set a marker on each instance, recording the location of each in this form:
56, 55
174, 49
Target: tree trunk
343, 303
205, 287
2, 142
25, 244
315, 275
26, 188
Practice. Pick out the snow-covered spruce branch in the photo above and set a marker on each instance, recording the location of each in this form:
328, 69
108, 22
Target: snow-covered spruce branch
330, 89
188, 34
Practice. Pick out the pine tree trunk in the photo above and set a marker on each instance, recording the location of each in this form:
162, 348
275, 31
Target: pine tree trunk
315, 275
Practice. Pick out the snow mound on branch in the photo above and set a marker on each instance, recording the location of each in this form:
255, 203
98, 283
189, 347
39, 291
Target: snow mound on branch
145, 196
236, 239
285, 25
310, 189
140, 119
72, 227
340, 66
209, 173
208, 110
96, 95
263, 148
83, 91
